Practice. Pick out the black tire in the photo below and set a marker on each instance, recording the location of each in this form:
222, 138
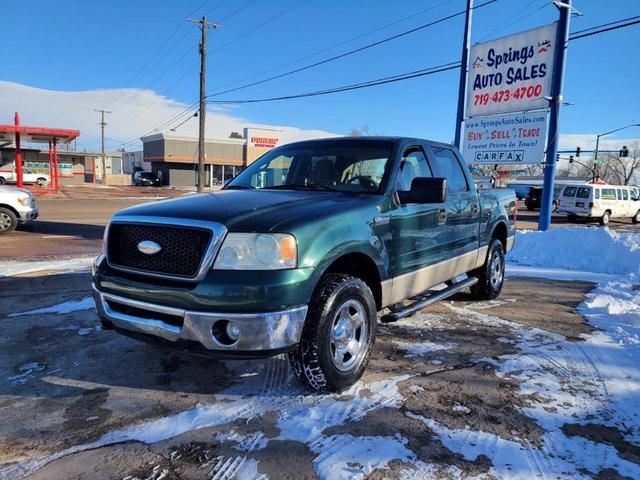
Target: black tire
571, 217
491, 274
41, 182
605, 218
636, 217
2, 181
313, 361
8, 221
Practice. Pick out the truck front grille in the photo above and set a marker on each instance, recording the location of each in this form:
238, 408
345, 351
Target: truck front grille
182, 248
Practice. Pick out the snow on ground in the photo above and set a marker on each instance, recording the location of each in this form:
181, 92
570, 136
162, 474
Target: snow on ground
65, 307
13, 268
422, 348
598, 250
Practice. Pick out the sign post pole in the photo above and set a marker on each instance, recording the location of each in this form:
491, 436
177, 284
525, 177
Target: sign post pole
462, 86
562, 37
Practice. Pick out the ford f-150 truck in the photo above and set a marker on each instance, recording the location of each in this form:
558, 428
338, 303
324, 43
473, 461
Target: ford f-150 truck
303, 250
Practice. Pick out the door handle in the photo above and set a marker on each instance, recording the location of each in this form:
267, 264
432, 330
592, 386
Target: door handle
442, 216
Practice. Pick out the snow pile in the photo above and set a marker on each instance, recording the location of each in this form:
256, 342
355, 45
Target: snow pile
68, 265
61, 308
597, 250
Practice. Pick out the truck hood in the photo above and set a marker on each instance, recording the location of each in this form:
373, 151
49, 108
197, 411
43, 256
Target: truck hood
254, 210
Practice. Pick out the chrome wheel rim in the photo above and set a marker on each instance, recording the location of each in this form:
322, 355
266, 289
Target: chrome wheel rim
5, 222
496, 269
348, 340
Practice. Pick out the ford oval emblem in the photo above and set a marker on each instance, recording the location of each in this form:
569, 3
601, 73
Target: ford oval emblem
148, 247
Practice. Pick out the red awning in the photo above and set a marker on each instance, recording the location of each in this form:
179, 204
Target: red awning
37, 134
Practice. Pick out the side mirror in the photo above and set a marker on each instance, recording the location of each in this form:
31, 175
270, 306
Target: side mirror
425, 190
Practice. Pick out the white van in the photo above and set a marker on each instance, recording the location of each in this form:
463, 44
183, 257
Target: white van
600, 201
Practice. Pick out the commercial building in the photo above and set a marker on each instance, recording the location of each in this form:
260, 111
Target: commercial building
74, 167
174, 158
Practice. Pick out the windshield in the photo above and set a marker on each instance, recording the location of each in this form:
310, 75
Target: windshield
341, 166
146, 174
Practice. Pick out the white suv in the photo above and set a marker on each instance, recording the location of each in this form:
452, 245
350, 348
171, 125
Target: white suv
16, 205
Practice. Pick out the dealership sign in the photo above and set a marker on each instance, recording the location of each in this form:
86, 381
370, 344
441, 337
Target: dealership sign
263, 142
499, 139
511, 74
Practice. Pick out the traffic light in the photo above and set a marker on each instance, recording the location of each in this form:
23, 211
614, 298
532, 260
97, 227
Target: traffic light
577, 152
570, 158
624, 152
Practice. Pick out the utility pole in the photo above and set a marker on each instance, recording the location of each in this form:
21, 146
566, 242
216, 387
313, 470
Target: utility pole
562, 37
104, 159
462, 86
204, 26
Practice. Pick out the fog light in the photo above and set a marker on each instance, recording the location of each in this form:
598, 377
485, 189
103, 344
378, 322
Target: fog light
233, 331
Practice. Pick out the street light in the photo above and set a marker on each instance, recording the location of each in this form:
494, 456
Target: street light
595, 158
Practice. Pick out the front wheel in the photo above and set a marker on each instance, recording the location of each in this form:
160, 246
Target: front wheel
338, 336
8, 221
2, 181
604, 220
491, 274
636, 217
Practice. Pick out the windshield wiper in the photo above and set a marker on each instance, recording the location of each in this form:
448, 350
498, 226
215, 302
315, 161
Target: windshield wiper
300, 186
239, 186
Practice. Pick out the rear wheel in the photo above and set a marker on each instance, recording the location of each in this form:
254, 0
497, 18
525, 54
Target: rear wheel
636, 217
41, 182
491, 274
8, 221
604, 220
338, 336
2, 181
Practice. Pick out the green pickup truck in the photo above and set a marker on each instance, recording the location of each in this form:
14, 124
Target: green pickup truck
303, 252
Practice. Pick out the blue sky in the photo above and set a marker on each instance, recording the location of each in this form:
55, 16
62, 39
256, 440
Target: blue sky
86, 46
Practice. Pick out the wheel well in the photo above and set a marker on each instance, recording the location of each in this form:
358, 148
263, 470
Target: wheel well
500, 232
361, 266
9, 207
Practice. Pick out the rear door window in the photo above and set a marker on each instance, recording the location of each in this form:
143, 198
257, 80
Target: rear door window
570, 191
619, 193
446, 165
583, 192
625, 194
608, 194
596, 194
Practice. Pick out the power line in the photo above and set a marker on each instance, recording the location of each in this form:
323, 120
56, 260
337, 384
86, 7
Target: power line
353, 86
357, 50
266, 22
605, 24
602, 30
336, 45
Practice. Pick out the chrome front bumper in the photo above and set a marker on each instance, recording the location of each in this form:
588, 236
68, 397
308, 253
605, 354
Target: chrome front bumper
258, 331
30, 214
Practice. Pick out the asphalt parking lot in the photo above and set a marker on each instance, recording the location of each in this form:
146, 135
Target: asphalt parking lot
65, 383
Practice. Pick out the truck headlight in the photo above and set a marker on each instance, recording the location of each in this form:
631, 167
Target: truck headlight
257, 251
25, 201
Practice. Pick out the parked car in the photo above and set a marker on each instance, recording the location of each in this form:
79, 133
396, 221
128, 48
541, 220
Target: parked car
300, 252
602, 202
28, 177
533, 199
141, 179
16, 206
